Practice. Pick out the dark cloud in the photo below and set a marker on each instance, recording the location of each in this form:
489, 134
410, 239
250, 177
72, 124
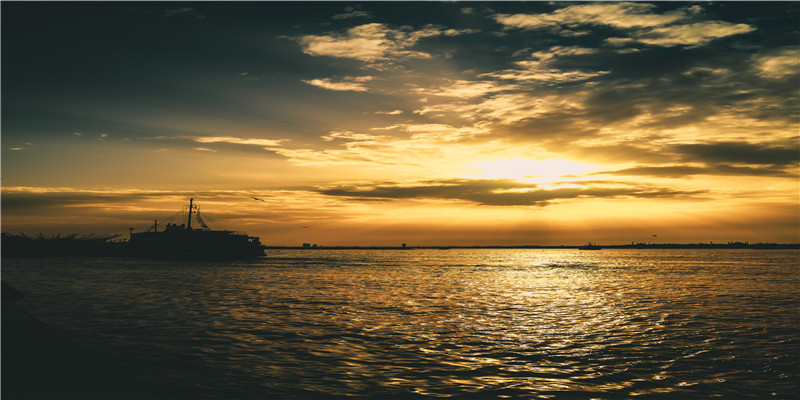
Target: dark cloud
351, 13
682, 171
663, 89
739, 152
184, 12
15, 200
69, 210
671, 171
639, 151
551, 128
701, 81
179, 77
500, 192
727, 158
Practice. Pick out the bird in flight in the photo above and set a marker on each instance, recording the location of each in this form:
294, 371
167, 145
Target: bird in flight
256, 198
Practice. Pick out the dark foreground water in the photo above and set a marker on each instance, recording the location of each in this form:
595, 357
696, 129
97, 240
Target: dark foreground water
436, 323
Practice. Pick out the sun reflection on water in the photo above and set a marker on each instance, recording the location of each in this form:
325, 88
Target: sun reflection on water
494, 323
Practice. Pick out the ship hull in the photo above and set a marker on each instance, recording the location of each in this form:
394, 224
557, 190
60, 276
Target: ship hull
194, 244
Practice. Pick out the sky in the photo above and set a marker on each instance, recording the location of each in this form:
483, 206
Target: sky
426, 123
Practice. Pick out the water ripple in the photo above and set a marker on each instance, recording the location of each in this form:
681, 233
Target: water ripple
460, 323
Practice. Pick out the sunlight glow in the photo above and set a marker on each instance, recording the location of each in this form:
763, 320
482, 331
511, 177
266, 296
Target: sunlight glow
533, 171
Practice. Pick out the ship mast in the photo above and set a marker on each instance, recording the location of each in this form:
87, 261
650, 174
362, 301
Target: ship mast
189, 220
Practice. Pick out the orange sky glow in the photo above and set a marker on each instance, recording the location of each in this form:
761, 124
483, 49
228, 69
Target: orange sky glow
375, 124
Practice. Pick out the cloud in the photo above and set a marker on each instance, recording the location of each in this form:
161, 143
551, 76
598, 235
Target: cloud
778, 64
691, 34
434, 146
495, 192
683, 171
347, 83
639, 20
247, 76
442, 133
267, 143
374, 42
537, 92
393, 112
509, 108
411, 144
115, 210
645, 100
23, 197
540, 69
351, 13
619, 15
466, 89
370, 42
352, 136
184, 12
723, 158
738, 153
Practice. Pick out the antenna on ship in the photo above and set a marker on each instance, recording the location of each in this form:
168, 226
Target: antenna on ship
189, 220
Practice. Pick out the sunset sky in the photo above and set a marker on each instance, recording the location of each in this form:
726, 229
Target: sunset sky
380, 123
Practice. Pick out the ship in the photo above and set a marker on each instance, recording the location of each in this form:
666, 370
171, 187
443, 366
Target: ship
589, 246
185, 241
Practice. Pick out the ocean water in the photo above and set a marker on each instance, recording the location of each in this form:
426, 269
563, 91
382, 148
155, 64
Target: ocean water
436, 323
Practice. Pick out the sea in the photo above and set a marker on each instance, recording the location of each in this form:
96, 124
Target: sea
435, 323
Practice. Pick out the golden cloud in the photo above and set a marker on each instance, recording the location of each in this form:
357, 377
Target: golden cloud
349, 83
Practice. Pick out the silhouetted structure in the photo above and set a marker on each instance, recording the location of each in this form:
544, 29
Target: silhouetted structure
590, 246
185, 241
730, 245
61, 246
181, 241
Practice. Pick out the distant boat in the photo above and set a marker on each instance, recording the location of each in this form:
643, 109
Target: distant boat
184, 241
590, 246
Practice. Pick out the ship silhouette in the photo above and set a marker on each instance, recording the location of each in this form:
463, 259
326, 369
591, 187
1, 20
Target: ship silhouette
187, 242
589, 246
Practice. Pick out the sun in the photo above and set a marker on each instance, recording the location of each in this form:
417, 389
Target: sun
533, 171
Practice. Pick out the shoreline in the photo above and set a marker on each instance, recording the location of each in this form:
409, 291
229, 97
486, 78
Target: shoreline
24, 246
757, 246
